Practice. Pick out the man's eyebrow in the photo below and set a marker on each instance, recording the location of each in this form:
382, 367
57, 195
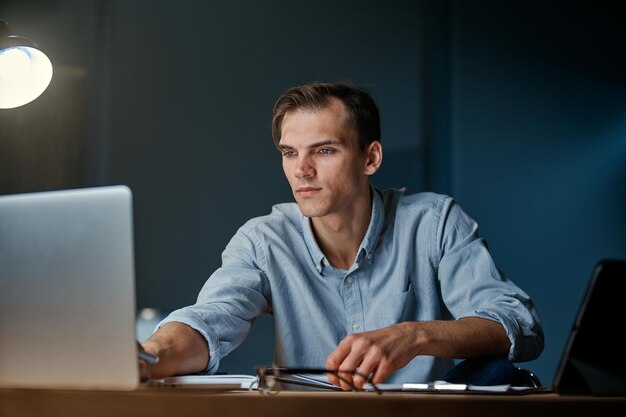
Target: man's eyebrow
284, 146
326, 143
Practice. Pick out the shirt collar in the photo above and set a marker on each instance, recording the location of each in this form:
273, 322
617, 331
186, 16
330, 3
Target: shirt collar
368, 245
316, 253
373, 231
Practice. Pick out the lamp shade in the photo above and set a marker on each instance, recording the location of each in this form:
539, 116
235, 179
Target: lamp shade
25, 71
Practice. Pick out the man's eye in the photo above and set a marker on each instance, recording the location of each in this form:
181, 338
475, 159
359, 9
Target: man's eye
289, 153
326, 151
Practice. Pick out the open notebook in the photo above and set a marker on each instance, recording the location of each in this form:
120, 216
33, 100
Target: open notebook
67, 290
212, 382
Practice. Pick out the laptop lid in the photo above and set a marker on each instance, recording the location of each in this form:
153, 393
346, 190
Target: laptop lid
67, 291
593, 359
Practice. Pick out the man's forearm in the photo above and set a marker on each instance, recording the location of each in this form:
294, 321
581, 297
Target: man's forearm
181, 350
464, 338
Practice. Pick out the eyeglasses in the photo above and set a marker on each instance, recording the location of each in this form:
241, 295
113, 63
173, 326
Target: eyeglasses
269, 376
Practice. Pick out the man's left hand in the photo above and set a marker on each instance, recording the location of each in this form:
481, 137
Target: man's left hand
372, 355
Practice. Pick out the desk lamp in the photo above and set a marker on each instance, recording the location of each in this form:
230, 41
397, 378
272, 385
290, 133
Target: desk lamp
25, 71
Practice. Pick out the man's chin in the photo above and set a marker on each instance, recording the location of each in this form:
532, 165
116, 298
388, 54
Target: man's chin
308, 210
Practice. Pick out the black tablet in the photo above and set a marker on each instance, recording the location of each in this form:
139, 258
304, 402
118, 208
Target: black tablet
594, 360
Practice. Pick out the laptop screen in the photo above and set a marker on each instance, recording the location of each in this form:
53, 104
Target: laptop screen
67, 291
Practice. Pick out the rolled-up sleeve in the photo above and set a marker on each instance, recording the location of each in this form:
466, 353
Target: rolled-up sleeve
230, 300
472, 286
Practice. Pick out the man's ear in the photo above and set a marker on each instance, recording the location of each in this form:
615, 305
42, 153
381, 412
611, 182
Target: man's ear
374, 157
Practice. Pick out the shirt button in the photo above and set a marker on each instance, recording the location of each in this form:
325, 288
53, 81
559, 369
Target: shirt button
356, 326
349, 280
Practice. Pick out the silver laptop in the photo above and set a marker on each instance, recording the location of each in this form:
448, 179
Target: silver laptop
67, 290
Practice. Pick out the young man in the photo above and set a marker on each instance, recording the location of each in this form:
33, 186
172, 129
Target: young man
355, 278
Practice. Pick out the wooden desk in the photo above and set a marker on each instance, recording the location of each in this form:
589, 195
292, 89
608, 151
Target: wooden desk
186, 402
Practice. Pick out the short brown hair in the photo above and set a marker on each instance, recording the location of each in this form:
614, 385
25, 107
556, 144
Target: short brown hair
363, 115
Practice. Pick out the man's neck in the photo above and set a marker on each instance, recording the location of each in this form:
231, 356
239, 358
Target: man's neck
339, 236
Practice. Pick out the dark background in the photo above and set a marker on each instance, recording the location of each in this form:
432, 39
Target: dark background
517, 109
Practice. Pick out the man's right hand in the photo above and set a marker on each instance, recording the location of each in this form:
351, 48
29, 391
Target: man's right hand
180, 349
145, 368
145, 371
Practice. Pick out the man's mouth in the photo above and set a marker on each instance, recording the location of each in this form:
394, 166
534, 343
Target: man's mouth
307, 191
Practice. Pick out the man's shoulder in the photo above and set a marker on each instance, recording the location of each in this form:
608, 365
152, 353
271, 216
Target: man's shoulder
402, 201
431, 208
284, 215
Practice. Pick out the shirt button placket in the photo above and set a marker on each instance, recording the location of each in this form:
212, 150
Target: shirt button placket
353, 304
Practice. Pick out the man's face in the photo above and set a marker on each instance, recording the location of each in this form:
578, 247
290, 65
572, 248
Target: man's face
322, 161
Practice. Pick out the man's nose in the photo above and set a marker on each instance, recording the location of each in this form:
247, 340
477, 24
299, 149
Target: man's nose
304, 167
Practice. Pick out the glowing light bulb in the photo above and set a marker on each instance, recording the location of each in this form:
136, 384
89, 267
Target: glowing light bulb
14, 65
25, 73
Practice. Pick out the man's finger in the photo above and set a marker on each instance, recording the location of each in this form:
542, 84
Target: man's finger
367, 366
145, 370
336, 358
349, 366
333, 379
338, 355
383, 371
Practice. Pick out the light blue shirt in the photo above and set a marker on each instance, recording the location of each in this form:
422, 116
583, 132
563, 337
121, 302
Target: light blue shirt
421, 259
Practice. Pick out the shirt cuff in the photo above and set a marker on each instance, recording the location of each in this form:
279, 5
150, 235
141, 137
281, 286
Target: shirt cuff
199, 326
510, 327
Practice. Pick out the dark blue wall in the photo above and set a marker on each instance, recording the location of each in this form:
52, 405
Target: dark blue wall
539, 144
516, 109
